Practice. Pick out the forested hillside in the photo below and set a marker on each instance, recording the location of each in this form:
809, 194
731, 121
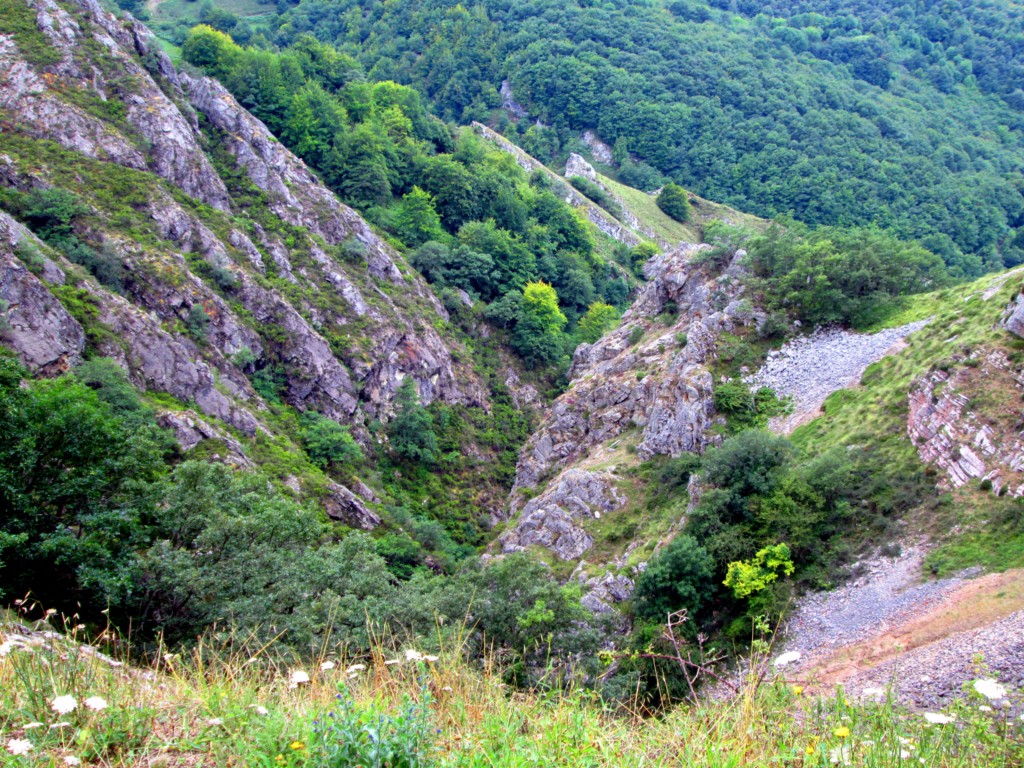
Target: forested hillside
907, 117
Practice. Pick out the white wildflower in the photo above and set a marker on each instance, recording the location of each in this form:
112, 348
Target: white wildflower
19, 746
390, 662
72, 760
936, 718
96, 703
787, 658
904, 754
63, 704
326, 666
430, 659
32, 726
412, 655
355, 668
260, 710
215, 721
840, 755
299, 677
990, 689
985, 708
61, 724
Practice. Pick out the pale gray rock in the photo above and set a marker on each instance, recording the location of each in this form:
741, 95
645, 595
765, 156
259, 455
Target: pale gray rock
190, 429
577, 166
343, 505
604, 591
601, 151
1013, 318
552, 520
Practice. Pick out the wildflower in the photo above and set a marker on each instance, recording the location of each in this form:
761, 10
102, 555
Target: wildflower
298, 678
797, 690
904, 754
61, 724
809, 750
63, 704
327, 666
840, 755
296, 745
412, 655
32, 726
787, 658
279, 759
936, 718
355, 668
9, 645
72, 760
990, 689
985, 708
215, 721
389, 662
96, 703
260, 710
430, 659
842, 732
19, 746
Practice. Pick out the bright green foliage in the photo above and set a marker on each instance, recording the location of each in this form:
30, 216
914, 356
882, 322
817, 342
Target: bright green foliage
327, 442
678, 577
841, 276
600, 318
745, 409
411, 431
538, 336
415, 219
674, 201
639, 255
747, 577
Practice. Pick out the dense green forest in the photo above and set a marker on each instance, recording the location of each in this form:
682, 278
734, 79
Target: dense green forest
908, 117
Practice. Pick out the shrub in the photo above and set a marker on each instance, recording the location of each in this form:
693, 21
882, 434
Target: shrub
327, 442
674, 202
678, 577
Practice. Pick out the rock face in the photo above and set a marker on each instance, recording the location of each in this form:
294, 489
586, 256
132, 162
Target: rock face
553, 519
46, 338
345, 339
951, 436
1013, 318
577, 166
190, 430
643, 375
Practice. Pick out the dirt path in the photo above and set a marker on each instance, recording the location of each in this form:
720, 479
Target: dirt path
924, 638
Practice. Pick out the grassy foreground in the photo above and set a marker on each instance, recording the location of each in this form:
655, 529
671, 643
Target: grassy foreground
63, 703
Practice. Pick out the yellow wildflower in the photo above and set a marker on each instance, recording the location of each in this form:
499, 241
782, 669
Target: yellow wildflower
842, 732
296, 745
798, 689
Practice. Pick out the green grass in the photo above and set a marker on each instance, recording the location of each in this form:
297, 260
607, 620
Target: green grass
226, 703
873, 418
175, 10
19, 20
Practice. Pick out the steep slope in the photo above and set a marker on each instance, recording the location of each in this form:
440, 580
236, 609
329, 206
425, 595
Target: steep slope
228, 256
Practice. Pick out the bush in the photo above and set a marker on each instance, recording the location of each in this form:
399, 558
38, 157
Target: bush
675, 203
327, 442
678, 577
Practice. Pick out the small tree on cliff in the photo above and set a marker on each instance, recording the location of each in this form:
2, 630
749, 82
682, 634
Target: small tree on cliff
411, 432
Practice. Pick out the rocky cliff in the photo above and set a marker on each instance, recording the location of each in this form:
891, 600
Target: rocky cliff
232, 254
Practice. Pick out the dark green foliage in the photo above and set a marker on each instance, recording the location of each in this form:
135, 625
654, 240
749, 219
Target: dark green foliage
677, 578
197, 323
745, 409
411, 431
69, 461
675, 203
326, 442
851, 276
51, 212
907, 115
270, 382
